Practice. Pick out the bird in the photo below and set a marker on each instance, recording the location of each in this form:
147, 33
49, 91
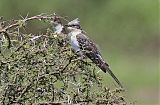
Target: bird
59, 31
58, 26
82, 44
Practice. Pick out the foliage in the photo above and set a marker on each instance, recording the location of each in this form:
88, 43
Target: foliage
40, 69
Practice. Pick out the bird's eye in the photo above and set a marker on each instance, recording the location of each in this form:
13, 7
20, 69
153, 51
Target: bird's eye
77, 26
74, 26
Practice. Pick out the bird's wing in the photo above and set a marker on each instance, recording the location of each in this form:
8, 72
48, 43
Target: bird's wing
92, 52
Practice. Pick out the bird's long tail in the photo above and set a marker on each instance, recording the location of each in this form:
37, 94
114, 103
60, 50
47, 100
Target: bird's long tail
106, 68
97, 59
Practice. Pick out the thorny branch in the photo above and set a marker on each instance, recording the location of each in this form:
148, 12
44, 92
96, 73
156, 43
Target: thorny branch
37, 17
39, 77
21, 23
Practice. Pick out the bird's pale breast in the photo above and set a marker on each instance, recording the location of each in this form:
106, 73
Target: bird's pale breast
74, 42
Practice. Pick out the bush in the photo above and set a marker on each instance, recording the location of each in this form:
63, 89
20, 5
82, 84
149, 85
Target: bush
40, 69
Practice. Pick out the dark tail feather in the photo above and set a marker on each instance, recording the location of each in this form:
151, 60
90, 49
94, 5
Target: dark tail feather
102, 65
105, 68
114, 77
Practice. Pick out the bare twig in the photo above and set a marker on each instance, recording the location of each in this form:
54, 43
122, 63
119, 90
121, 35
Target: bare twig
20, 23
37, 17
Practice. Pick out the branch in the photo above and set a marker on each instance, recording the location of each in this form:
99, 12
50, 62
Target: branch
37, 17
39, 77
21, 23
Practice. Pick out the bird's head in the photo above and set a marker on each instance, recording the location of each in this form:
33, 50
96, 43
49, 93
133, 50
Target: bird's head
73, 25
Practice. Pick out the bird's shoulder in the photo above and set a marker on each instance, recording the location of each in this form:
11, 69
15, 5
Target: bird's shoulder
86, 43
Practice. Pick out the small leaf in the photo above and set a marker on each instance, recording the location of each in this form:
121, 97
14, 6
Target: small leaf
6, 52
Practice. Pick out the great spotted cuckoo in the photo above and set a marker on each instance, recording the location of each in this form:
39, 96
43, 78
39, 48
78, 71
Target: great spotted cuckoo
81, 43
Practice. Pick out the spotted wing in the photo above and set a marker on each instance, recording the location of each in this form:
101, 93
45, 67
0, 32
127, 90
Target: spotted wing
91, 51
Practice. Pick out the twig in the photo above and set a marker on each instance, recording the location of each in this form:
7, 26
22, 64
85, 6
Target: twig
21, 22
38, 17
44, 75
30, 84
